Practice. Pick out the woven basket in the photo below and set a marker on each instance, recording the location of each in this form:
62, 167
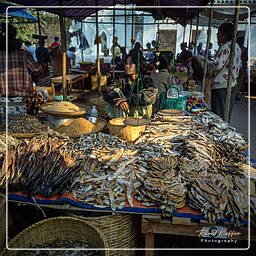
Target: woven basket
131, 133
2, 223
58, 228
118, 231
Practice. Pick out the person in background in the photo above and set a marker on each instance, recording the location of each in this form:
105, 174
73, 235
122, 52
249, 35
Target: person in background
162, 79
136, 97
120, 65
185, 57
191, 48
153, 43
115, 49
149, 53
200, 50
71, 56
210, 55
32, 49
242, 71
21, 67
55, 43
43, 56
219, 68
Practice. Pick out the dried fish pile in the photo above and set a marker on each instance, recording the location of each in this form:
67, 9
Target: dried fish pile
221, 131
24, 123
115, 172
39, 166
218, 196
62, 244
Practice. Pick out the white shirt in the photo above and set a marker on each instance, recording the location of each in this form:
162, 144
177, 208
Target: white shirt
220, 66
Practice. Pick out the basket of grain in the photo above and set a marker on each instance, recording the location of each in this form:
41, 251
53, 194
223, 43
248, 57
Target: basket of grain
79, 126
71, 232
120, 129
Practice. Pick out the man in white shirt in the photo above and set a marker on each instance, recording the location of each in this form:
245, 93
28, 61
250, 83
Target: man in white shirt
219, 68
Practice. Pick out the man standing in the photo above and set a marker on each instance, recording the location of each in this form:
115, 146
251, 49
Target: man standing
219, 68
43, 56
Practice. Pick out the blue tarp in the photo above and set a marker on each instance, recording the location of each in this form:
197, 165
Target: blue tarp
17, 12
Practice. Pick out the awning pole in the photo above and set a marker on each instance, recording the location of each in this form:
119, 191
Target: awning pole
114, 27
64, 56
132, 41
125, 25
98, 72
38, 22
207, 47
184, 32
197, 22
82, 52
230, 65
190, 32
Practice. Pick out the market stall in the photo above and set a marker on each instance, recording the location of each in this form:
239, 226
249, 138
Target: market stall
181, 170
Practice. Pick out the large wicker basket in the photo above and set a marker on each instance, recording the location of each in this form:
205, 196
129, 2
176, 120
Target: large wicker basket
2, 222
58, 228
119, 231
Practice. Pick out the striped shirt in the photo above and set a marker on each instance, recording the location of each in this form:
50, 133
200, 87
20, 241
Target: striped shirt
20, 66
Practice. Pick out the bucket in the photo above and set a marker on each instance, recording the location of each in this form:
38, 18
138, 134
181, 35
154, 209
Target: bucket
118, 128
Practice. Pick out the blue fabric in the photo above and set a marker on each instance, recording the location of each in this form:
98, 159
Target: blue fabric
18, 12
125, 209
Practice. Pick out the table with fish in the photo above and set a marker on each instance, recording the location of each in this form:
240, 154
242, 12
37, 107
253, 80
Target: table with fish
184, 166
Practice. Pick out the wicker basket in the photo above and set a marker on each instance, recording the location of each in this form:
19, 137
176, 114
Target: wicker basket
117, 127
2, 223
118, 231
58, 228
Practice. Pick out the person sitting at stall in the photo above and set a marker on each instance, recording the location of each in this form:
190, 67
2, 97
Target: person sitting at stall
162, 79
43, 57
136, 97
21, 68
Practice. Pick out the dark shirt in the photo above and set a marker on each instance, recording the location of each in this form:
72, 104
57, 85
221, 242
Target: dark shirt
184, 56
42, 55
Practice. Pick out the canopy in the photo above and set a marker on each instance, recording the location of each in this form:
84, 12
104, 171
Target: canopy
180, 15
17, 12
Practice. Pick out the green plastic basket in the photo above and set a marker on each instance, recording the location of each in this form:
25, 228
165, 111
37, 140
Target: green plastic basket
172, 103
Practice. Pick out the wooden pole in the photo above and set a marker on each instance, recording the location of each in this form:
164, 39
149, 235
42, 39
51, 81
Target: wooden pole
38, 22
197, 22
132, 42
114, 27
64, 56
230, 65
98, 73
207, 47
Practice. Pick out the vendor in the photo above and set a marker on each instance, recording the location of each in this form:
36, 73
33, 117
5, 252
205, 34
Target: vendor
136, 97
21, 66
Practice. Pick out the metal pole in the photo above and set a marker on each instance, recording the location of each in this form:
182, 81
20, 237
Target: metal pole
197, 22
132, 42
207, 47
190, 32
184, 33
230, 65
38, 22
114, 27
125, 25
97, 48
64, 56
82, 52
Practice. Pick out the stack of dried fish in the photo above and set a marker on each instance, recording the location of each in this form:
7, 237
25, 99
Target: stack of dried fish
221, 131
24, 123
62, 244
39, 166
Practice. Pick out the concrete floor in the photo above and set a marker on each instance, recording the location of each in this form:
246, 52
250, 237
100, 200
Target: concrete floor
240, 118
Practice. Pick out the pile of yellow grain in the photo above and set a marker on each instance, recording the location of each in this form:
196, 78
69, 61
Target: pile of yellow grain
63, 106
76, 126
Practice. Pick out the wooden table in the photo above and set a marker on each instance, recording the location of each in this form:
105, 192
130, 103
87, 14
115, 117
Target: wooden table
71, 79
151, 225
